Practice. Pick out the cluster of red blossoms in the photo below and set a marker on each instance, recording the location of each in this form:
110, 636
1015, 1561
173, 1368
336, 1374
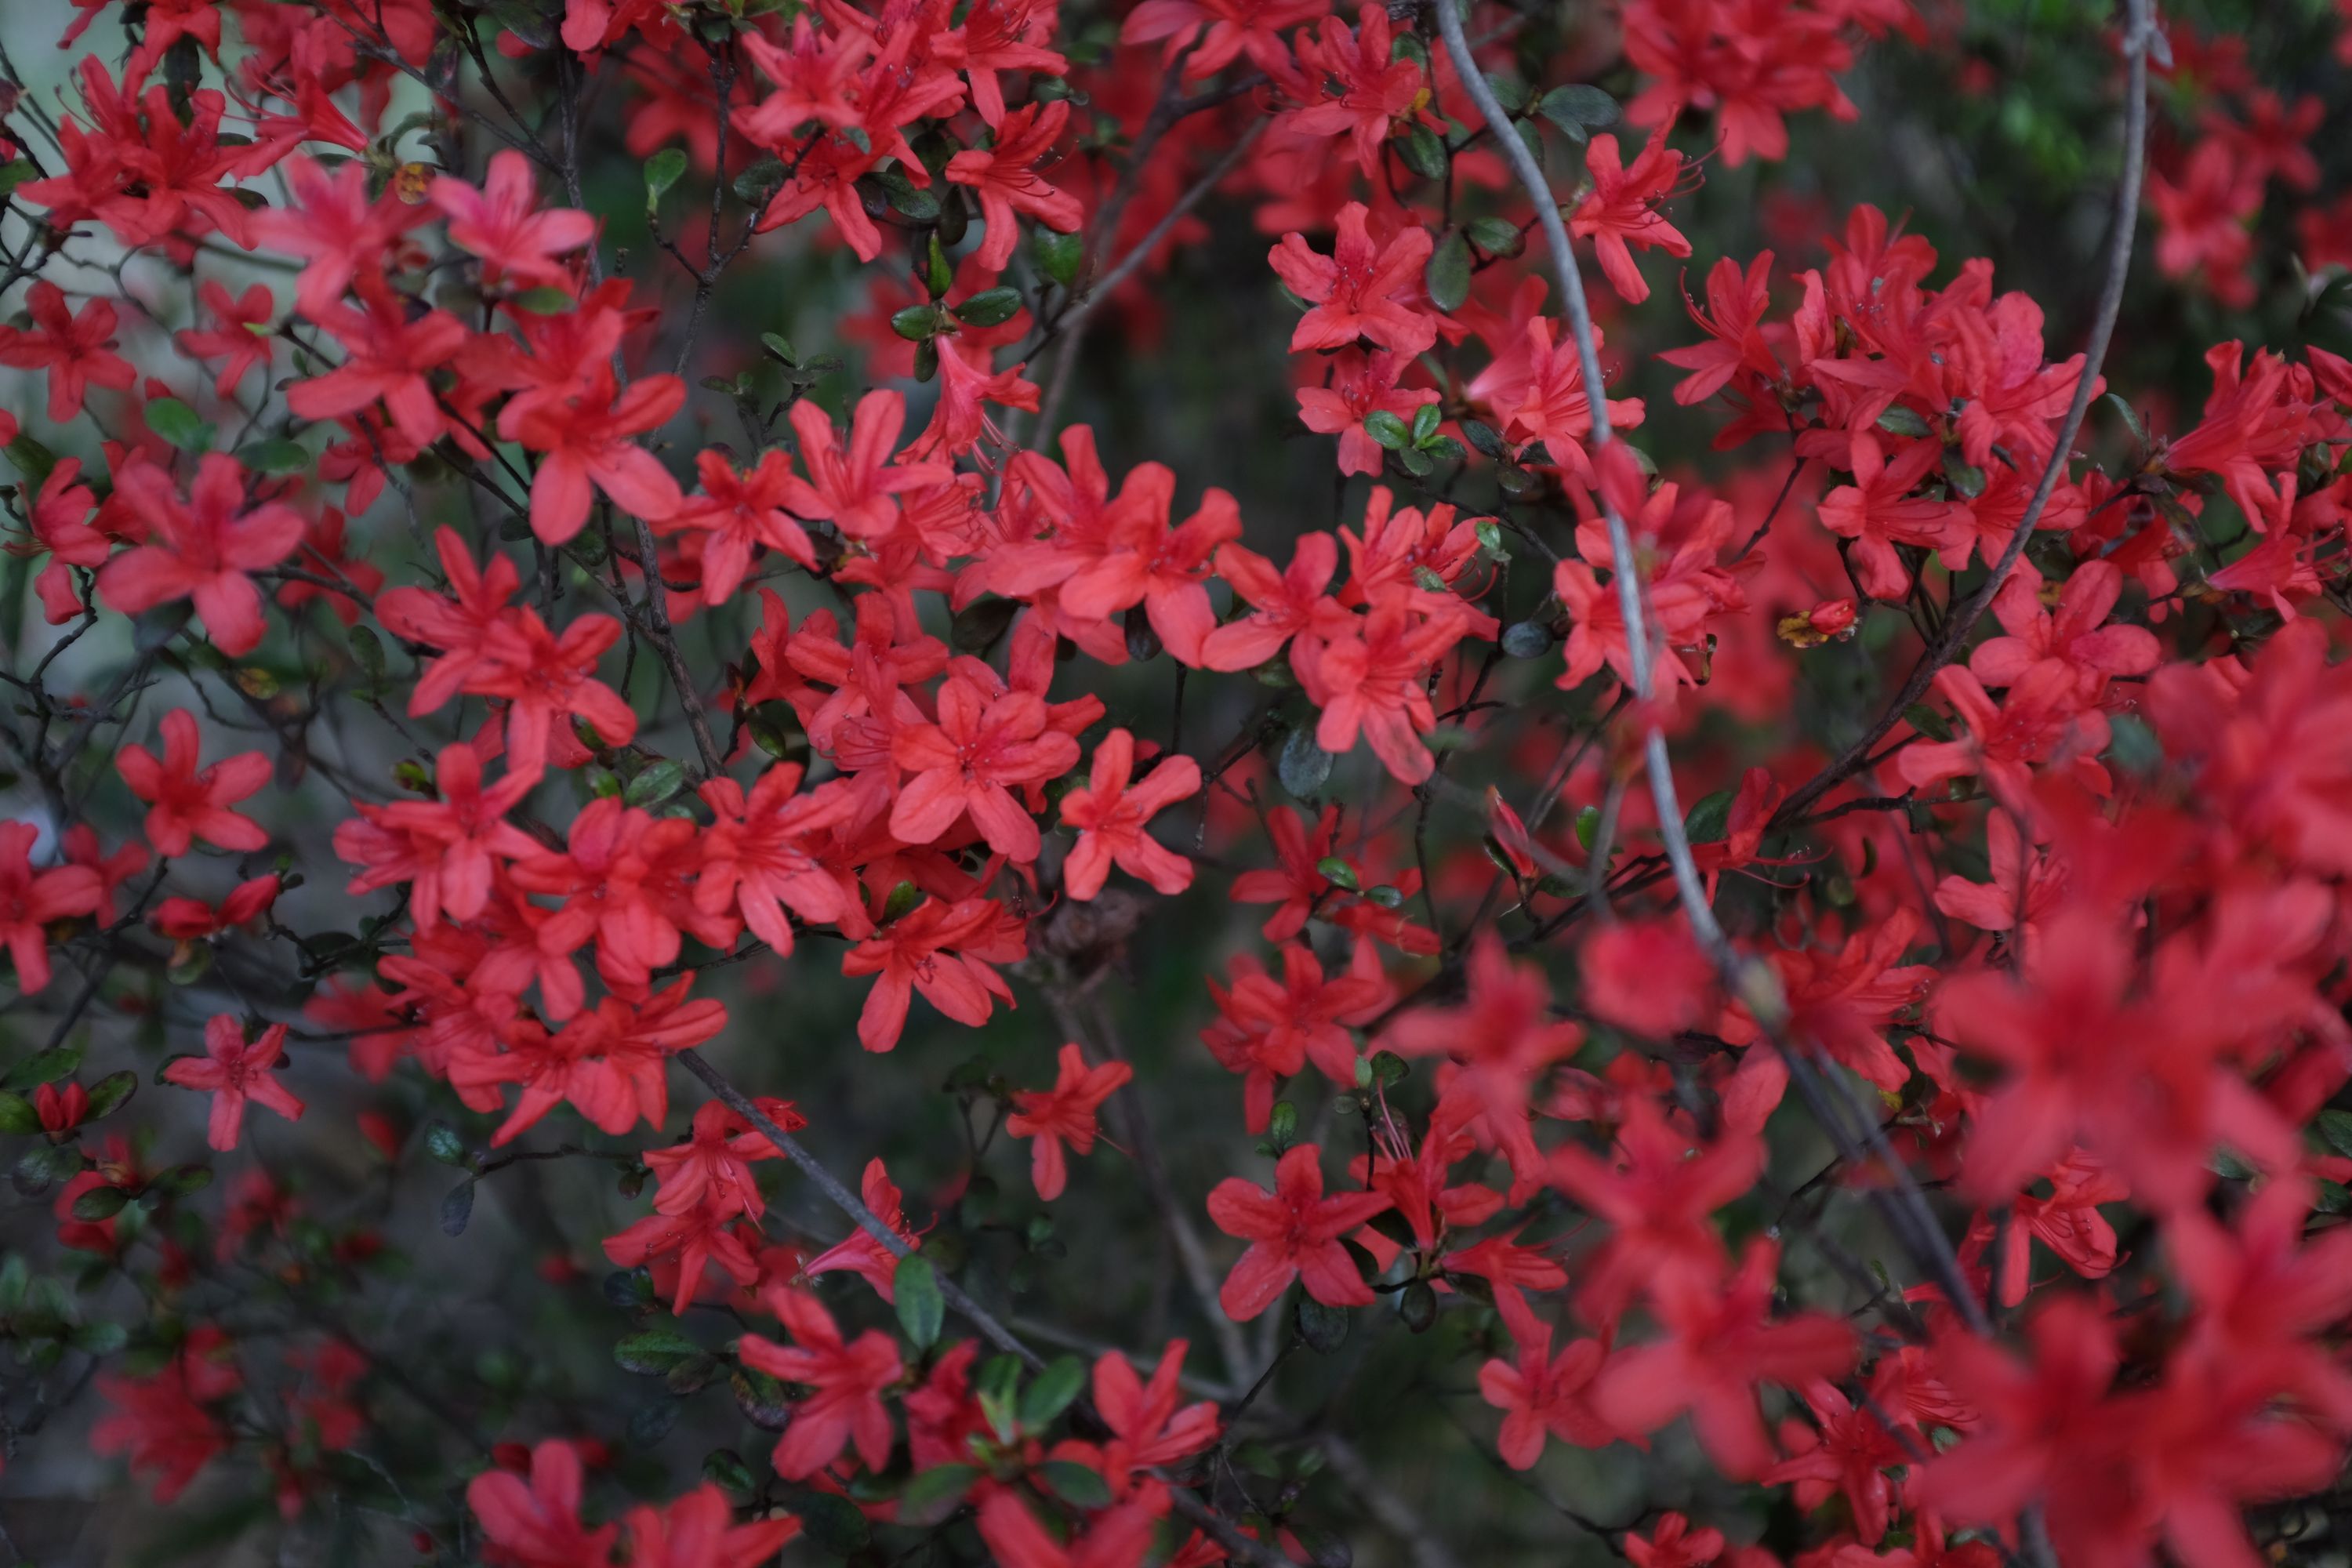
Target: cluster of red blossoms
361, 439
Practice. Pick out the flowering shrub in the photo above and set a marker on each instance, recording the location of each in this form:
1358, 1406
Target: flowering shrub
1415, 959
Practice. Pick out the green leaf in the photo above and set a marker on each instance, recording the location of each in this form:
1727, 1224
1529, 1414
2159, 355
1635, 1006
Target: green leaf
935, 1493
100, 1338
1577, 110
107, 1095
100, 1202
1588, 825
545, 301
921, 1309
1448, 273
525, 20
2336, 1128
833, 1522
182, 1179
653, 1352
31, 460
629, 1288
903, 899
1303, 766
2129, 415
1490, 539
1051, 1392
1497, 237
1966, 476
652, 1423
1325, 1329
367, 651
999, 1379
693, 1374
725, 1468
1423, 152
1527, 639
1900, 421
1058, 256
990, 308
919, 323
756, 185
915, 203
1418, 1307
176, 423
655, 785
777, 732
191, 966
663, 169
457, 1208
760, 1398
970, 1075
1388, 429
14, 174
444, 1144
1336, 872
43, 1163
1928, 722
274, 457
2133, 744
43, 1067
976, 626
1709, 819
1509, 91
1080, 1486
780, 347
18, 1116
1425, 420
939, 272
